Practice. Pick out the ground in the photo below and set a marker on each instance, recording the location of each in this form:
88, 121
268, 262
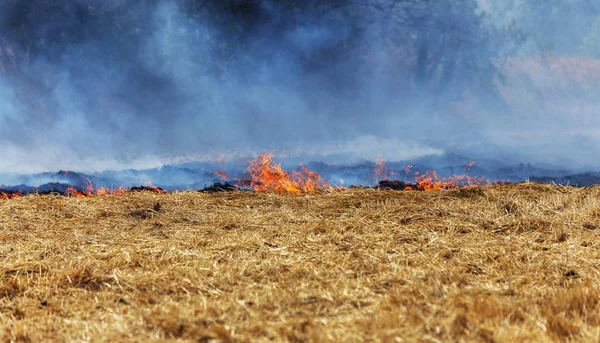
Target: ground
507, 263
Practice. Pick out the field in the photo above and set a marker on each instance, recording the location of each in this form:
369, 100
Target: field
508, 263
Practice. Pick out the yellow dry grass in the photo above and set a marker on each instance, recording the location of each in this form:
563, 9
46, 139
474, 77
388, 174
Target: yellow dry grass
516, 263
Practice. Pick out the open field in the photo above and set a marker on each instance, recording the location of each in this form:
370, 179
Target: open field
510, 263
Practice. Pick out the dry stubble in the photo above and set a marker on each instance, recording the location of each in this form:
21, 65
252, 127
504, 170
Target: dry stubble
511, 263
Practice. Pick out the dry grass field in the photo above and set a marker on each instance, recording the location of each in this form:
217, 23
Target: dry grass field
510, 263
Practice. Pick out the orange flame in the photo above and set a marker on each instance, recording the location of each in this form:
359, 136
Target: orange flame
431, 180
102, 191
89, 187
10, 195
153, 188
269, 176
90, 191
119, 191
382, 172
74, 192
221, 174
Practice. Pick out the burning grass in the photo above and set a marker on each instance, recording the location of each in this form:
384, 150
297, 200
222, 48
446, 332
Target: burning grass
266, 175
262, 175
504, 263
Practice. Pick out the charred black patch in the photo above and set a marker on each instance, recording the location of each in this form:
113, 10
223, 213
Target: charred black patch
396, 185
147, 188
219, 187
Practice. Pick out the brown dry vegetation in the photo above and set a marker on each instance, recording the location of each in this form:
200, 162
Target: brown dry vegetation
509, 264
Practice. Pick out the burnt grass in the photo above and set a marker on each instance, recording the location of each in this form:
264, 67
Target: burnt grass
218, 187
395, 185
61, 189
506, 263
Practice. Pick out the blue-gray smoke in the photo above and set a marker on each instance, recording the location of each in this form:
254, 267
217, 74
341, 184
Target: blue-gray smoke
90, 84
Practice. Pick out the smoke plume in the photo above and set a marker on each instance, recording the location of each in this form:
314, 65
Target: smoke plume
96, 85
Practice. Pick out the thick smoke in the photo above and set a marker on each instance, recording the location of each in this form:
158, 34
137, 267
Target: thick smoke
92, 84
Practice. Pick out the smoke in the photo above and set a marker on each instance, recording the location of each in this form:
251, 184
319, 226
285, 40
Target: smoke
93, 85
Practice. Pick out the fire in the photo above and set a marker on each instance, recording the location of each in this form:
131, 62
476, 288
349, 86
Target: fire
10, 195
89, 187
149, 186
222, 175
431, 180
269, 176
382, 172
74, 192
119, 191
102, 191
88, 192
264, 175
91, 191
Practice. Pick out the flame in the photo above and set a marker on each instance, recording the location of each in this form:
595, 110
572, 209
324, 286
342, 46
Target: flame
382, 172
102, 191
266, 175
10, 195
119, 191
222, 174
153, 188
74, 192
89, 187
269, 176
90, 191
431, 180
